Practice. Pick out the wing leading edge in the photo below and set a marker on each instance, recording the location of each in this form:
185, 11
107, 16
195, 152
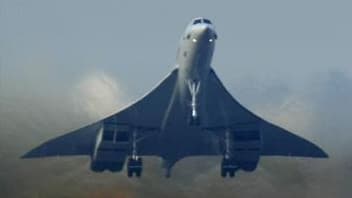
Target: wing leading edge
149, 112
145, 114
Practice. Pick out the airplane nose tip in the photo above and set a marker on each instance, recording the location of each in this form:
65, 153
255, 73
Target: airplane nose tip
203, 31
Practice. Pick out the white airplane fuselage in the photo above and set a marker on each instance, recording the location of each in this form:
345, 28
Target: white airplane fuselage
196, 51
194, 57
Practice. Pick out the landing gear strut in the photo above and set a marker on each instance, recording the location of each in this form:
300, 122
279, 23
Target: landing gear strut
193, 87
135, 163
228, 164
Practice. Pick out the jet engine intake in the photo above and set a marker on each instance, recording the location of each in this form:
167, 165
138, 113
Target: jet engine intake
112, 146
245, 146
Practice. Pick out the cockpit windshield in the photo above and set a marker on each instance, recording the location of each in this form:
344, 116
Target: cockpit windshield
207, 21
197, 21
201, 20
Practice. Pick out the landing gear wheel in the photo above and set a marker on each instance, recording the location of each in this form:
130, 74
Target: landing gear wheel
228, 167
97, 167
129, 173
223, 173
139, 173
194, 121
134, 166
231, 173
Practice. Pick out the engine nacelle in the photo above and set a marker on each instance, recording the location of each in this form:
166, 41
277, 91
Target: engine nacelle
112, 146
246, 146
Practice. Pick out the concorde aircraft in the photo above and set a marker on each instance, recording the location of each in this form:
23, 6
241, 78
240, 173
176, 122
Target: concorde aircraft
190, 113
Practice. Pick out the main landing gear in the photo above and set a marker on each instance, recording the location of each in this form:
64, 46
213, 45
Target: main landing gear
228, 168
134, 166
135, 163
228, 164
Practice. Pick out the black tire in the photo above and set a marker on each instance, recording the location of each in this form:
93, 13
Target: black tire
138, 173
223, 173
97, 167
190, 120
129, 173
194, 121
232, 173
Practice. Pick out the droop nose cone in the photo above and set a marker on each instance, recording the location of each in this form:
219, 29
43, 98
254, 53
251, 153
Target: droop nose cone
202, 31
206, 32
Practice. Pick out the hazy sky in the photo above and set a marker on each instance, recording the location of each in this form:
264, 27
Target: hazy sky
67, 63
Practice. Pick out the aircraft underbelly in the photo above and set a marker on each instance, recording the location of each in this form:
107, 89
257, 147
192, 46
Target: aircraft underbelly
180, 139
183, 142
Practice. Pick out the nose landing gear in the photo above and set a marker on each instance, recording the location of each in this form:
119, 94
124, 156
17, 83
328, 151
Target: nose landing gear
193, 87
194, 121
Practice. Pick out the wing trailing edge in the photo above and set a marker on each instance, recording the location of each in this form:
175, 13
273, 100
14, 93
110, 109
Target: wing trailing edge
277, 141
